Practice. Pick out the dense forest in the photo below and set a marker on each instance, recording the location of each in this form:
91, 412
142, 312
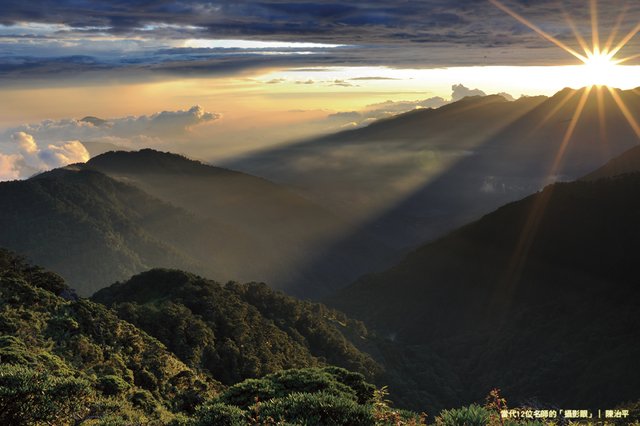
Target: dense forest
65, 360
238, 331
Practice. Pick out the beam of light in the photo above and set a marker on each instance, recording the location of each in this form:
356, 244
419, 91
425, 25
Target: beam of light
570, 130
627, 59
595, 31
600, 65
540, 203
537, 29
556, 109
602, 119
625, 111
581, 41
615, 29
625, 40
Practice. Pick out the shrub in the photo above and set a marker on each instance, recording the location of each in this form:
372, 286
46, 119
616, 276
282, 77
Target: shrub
315, 409
145, 380
281, 384
145, 401
112, 385
473, 415
28, 396
220, 414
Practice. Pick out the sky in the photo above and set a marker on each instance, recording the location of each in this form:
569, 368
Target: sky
214, 79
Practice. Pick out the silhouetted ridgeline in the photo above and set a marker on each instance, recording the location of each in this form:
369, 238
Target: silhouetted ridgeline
559, 325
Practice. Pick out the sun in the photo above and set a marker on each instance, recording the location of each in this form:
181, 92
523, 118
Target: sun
600, 61
599, 68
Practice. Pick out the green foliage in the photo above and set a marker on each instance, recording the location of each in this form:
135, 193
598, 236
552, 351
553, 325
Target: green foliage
28, 396
220, 414
144, 400
473, 415
72, 357
312, 396
112, 385
318, 408
235, 332
311, 380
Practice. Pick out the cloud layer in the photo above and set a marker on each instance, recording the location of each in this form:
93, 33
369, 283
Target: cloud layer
71, 37
28, 149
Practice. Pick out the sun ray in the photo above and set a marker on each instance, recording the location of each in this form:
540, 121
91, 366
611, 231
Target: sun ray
556, 109
625, 111
627, 59
600, 62
595, 30
537, 29
602, 118
581, 41
570, 130
540, 203
625, 40
616, 29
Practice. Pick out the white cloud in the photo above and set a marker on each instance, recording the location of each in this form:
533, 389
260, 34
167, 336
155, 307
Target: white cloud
9, 167
381, 110
26, 142
459, 91
165, 124
61, 155
29, 157
48, 144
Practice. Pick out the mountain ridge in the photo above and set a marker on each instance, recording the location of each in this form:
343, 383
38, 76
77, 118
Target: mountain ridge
520, 320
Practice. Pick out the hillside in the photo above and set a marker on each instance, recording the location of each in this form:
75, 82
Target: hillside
538, 298
238, 331
126, 212
414, 177
288, 241
627, 162
90, 228
65, 359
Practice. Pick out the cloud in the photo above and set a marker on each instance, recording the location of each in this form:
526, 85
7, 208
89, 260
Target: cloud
342, 83
372, 78
9, 167
346, 119
136, 38
381, 110
165, 124
35, 147
66, 153
26, 142
31, 157
460, 91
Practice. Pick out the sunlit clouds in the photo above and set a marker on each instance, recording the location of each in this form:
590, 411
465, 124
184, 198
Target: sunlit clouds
32, 148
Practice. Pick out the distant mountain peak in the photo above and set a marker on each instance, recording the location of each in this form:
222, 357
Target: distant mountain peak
149, 160
94, 120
